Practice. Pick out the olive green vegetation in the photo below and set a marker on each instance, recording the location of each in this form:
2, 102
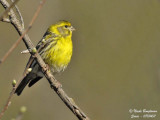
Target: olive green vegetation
115, 65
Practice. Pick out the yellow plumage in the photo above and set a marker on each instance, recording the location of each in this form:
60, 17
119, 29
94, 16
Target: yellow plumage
58, 56
55, 49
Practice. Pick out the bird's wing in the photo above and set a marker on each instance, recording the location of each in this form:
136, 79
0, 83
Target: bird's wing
45, 41
42, 44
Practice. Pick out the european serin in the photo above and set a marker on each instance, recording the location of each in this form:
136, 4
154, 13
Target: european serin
55, 49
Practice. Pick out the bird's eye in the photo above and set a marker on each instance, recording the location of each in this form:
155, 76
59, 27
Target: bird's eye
66, 26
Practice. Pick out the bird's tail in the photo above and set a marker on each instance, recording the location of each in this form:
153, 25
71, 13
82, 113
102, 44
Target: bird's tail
22, 85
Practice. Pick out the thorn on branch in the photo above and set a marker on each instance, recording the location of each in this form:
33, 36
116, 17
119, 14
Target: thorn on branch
25, 51
6, 20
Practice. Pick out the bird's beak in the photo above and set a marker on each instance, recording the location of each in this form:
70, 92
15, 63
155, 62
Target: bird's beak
72, 28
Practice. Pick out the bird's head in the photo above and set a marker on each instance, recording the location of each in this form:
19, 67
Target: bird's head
62, 28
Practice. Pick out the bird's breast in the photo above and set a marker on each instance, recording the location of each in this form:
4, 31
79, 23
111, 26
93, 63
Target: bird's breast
60, 54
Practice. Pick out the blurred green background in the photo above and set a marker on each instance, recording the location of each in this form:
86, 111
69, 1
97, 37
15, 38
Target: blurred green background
115, 65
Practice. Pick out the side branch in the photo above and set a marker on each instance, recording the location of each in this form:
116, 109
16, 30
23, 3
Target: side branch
19, 14
8, 9
8, 53
55, 85
24, 33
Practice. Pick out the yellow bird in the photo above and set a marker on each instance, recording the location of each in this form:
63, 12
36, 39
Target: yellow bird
55, 49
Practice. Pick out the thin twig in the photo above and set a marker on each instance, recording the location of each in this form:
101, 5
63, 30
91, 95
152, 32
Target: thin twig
20, 38
15, 85
55, 85
7, 103
11, 49
19, 14
8, 9
10, 97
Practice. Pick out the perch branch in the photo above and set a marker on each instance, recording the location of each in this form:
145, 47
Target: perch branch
55, 85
